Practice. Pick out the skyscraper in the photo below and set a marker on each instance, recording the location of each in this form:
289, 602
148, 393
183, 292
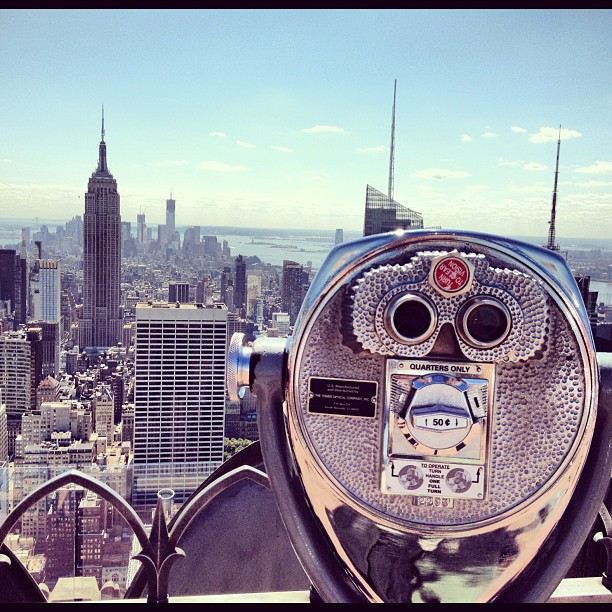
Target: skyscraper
49, 346
20, 369
46, 289
178, 292
140, 228
191, 241
240, 288
169, 237
170, 220
383, 214
100, 325
7, 284
253, 293
50, 287
14, 284
3, 444
20, 373
104, 410
292, 293
225, 282
179, 398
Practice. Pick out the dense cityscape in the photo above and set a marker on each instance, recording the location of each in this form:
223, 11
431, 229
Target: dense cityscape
113, 344
74, 305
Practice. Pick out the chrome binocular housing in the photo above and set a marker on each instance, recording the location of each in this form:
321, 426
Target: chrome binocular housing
427, 426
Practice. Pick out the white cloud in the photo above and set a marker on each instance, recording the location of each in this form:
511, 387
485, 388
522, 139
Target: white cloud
246, 145
324, 128
535, 166
5, 161
20, 188
506, 162
548, 134
519, 162
170, 162
217, 134
599, 167
375, 149
536, 188
281, 149
518, 130
593, 183
217, 166
466, 138
439, 173
488, 135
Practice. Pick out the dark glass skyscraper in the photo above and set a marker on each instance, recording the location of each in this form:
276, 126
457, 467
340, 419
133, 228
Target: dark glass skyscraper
14, 284
100, 325
240, 291
383, 214
293, 288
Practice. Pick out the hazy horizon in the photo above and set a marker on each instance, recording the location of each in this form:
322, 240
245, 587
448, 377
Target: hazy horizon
604, 243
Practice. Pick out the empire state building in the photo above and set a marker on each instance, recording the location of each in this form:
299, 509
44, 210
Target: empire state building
100, 325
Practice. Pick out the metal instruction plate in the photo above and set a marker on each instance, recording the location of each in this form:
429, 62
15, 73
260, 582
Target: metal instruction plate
446, 480
337, 396
437, 420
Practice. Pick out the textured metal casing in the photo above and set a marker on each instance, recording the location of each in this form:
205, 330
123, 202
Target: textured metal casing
541, 423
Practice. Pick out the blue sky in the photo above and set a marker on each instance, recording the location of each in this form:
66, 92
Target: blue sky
281, 118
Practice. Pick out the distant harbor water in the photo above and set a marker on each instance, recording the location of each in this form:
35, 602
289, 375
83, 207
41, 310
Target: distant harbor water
604, 291
275, 249
271, 245
274, 245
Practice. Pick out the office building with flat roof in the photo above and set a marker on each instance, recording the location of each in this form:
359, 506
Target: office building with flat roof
292, 289
179, 397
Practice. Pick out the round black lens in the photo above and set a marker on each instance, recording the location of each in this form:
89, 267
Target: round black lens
487, 324
412, 319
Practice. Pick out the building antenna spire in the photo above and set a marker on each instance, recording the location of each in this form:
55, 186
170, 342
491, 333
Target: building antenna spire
552, 246
102, 123
392, 154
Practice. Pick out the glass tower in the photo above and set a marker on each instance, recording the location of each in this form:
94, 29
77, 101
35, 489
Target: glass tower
383, 214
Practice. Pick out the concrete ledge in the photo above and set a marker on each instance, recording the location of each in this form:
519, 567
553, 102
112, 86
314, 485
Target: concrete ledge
581, 590
571, 590
281, 597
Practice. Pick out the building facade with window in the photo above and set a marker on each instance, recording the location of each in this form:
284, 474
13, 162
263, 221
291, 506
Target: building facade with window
179, 397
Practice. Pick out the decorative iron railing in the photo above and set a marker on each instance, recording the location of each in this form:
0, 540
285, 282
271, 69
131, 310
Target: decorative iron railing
160, 543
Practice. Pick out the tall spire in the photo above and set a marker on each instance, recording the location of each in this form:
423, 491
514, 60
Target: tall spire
552, 246
102, 166
392, 154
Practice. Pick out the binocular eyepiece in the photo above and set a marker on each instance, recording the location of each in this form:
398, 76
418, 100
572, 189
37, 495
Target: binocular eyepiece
427, 425
483, 322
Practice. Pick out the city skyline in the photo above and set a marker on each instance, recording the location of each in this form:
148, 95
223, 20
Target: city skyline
281, 118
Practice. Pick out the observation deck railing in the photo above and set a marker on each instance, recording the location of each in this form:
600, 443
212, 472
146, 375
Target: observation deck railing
225, 543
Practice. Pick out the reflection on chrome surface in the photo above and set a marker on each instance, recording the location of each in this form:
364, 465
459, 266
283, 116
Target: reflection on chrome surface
422, 495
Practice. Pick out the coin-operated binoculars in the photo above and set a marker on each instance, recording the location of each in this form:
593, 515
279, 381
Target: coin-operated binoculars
431, 430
